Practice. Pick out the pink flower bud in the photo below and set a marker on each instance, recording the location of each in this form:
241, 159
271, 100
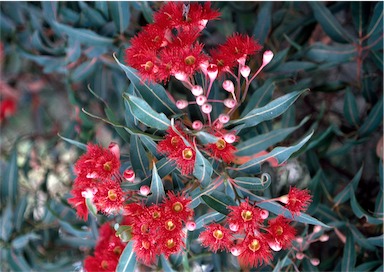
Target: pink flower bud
316, 229
191, 226
204, 66
245, 71
230, 138
267, 57
89, 193
264, 214
284, 199
202, 24
144, 190
181, 76
201, 99
228, 86
275, 246
206, 108
212, 71
315, 261
229, 103
181, 104
299, 255
197, 125
115, 149
224, 118
234, 227
235, 251
129, 175
92, 175
324, 238
299, 240
242, 60
218, 125
197, 90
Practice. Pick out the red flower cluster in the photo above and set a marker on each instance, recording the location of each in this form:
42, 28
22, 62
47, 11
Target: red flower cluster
97, 180
297, 200
169, 45
107, 251
158, 229
247, 236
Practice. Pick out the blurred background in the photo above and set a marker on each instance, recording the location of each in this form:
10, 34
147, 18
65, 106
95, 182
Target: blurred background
56, 59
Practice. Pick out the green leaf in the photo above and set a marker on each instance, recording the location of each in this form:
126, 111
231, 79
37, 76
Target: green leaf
282, 263
165, 264
360, 238
218, 201
375, 28
281, 154
336, 54
369, 266
154, 94
150, 145
277, 60
345, 194
127, 260
91, 206
207, 218
351, 111
50, 10
269, 111
21, 241
164, 167
360, 212
376, 241
373, 120
263, 141
206, 138
121, 14
348, 260
17, 261
147, 11
260, 97
6, 222
254, 184
20, 213
145, 114
10, 180
202, 169
329, 23
139, 158
83, 71
82, 35
157, 188
360, 11
295, 66
263, 22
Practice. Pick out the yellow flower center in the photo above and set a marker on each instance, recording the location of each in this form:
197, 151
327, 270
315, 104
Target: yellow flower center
190, 60
104, 265
279, 230
246, 215
156, 215
187, 154
145, 244
218, 234
107, 166
144, 228
112, 195
170, 243
221, 144
169, 225
148, 65
117, 250
175, 141
254, 245
177, 207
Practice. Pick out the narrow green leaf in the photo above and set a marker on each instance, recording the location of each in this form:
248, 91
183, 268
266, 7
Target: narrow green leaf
252, 183
150, 145
157, 188
281, 154
73, 142
345, 194
218, 201
21, 241
206, 138
165, 264
269, 111
6, 223
373, 120
145, 114
277, 60
282, 263
17, 261
322, 53
91, 206
349, 255
127, 260
84, 70
92, 15
329, 23
139, 158
165, 166
260, 97
360, 212
10, 181
121, 14
369, 266
263, 22
296, 66
376, 241
207, 218
50, 10
360, 11
351, 111
102, 6
83, 35
147, 11
155, 94
202, 169
20, 213
360, 238
375, 28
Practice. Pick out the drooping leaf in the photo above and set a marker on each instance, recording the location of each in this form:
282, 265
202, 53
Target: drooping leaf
202, 169
345, 194
6, 222
263, 22
336, 54
351, 111
121, 14
376, 241
165, 264
10, 180
369, 266
139, 158
75, 143
254, 184
207, 218
22, 240
260, 97
348, 260
373, 120
360, 10
375, 28
127, 260
157, 188
218, 201
360, 212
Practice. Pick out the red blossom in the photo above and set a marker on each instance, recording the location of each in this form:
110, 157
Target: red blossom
254, 251
222, 150
109, 197
216, 237
245, 216
280, 231
7, 108
177, 206
145, 250
298, 200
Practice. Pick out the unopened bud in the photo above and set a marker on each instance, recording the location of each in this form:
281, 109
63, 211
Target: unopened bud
224, 118
229, 103
264, 214
181, 76
191, 226
324, 238
197, 125
242, 60
206, 108
299, 255
181, 104
245, 71
201, 99
212, 71
316, 229
235, 251
275, 246
197, 90
202, 24
144, 190
284, 199
299, 240
234, 227
315, 261
204, 66
228, 86
230, 138
129, 175
89, 193
115, 149
267, 57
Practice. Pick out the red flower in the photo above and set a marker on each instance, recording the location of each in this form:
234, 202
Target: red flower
7, 108
177, 206
281, 231
168, 245
109, 197
145, 250
298, 200
222, 150
216, 237
82, 188
245, 216
97, 162
254, 251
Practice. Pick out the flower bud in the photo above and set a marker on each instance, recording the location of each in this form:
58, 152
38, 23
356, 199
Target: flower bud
181, 76
324, 238
181, 104
206, 108
218, 125
299, 255
315, 261
129, 175
201, 99
202, 24
245, 71
197, 125
235, 251
89, 193
144, 190
284, 199
228, 86
299, 240
267, 57
229, 103
316, 229
212, 71
204, 66
242, 60
224, 118
275, 246
234, 227
197, 90
264, 214
115, 149
230, 138
191, 226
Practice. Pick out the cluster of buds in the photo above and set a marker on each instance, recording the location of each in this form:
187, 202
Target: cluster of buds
251, 237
